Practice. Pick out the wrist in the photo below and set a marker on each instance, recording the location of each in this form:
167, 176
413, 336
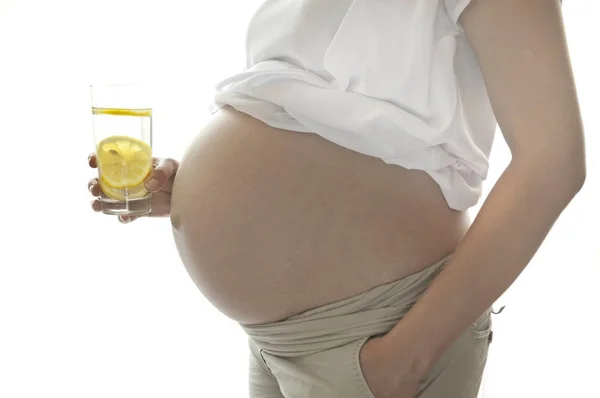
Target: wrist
414, 354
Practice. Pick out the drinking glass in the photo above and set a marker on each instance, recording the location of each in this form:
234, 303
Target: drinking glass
122, 126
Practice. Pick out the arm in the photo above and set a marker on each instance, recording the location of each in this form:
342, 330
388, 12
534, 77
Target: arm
522, 51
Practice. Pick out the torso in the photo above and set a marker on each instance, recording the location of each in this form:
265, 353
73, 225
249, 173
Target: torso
270, 223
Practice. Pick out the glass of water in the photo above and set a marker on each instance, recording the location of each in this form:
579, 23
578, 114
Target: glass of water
122, 126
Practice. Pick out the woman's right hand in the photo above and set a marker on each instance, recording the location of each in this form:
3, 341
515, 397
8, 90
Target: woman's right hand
159, 182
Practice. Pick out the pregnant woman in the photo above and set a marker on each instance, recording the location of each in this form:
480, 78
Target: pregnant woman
323, 207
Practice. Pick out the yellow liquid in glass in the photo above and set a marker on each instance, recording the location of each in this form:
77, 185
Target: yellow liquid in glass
124, 162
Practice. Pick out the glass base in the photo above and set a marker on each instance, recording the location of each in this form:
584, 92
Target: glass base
131, 207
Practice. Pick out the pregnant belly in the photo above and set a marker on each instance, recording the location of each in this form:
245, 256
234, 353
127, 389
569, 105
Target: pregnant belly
269, 223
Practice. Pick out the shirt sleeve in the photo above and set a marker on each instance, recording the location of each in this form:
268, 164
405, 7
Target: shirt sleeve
455, 9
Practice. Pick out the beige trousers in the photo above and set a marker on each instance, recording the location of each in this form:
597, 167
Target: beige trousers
315, 354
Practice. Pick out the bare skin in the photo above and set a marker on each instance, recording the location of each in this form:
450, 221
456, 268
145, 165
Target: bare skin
270, 223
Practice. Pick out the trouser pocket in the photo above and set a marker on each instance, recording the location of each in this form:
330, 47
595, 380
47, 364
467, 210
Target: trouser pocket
458, 373
355, 362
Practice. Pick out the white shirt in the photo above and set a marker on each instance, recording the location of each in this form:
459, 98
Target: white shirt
393, 79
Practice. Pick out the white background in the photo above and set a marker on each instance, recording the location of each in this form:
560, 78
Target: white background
92, 308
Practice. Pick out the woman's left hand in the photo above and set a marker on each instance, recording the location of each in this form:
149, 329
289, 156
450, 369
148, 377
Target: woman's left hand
387, 375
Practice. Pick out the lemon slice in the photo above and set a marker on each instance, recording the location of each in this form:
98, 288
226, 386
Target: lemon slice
123, 194
145, 112
124, 162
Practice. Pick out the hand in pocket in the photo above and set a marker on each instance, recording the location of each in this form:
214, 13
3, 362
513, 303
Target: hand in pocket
387, 375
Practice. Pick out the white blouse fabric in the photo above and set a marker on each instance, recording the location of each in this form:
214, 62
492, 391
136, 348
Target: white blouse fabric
392, 79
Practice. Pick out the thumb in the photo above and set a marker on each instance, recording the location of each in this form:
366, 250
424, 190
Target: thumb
161, 174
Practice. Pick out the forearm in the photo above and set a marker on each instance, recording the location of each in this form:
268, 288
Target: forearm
510, 227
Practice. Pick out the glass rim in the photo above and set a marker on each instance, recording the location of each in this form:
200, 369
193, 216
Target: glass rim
116, 85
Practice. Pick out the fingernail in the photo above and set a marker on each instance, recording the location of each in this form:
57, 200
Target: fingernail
152, 184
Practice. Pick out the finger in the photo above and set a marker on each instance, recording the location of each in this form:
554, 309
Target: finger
161, 174
92, 161
96, 206
91, 183
127, 219
95, 189
161, 204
